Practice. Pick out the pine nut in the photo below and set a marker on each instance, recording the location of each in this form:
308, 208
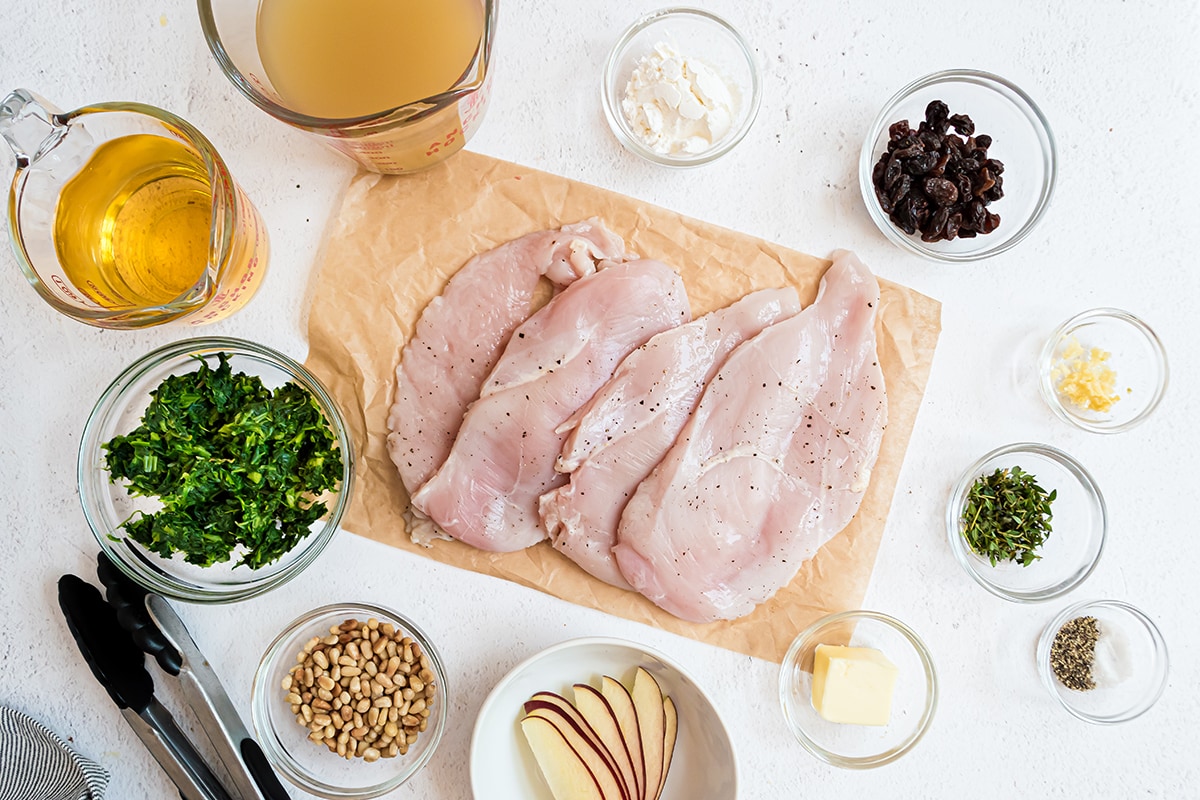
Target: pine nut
364, 690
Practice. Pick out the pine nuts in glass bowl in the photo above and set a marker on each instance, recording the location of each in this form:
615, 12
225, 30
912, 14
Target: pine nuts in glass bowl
373, 701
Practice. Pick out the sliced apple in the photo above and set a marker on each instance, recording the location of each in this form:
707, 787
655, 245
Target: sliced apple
566, 773
648, 701
670, 731
621, 702
564, 706
596, 710
612, 787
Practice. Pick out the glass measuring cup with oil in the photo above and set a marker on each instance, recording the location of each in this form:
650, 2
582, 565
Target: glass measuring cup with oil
396, 85
123, 215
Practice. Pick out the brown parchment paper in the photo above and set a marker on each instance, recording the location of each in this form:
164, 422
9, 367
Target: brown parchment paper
396, 241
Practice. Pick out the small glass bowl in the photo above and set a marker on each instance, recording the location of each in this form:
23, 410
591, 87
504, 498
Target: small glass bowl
913, 702
1140, 661
107, 505
1079, 525
313, 767
1135, 354
1021, 139
696, 34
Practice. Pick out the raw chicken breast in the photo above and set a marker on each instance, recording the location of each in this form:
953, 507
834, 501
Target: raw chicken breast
622, 433
774, 461
485, 494
462, 332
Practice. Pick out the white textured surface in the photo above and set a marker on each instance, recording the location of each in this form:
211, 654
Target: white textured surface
1119, 83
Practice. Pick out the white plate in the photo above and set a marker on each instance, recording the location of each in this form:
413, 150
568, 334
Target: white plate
502, 766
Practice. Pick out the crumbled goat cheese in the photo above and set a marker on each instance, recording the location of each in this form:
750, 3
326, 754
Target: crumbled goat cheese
676, 104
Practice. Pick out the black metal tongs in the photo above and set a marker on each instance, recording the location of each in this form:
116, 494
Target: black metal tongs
114, 636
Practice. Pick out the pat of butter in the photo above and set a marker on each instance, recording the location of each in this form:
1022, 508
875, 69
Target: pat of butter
853, 685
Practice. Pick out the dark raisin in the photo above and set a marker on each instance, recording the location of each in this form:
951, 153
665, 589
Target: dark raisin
941, 191
919, 165
931, 140
975, 213
936, 182
939, 169
892, 173
963, 181
885, 202
962, 124
952, 226
915, 149
904, 216
937, 115
899, 130
936, 228
985, 182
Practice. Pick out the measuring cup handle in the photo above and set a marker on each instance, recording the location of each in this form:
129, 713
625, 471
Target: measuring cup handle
29, 126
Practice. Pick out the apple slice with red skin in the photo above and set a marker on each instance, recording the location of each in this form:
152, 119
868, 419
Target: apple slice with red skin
599, 714
670, 731
621, 703
559, 710
566, 773
648, 701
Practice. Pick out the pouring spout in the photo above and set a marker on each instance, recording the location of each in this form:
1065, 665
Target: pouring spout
29, 126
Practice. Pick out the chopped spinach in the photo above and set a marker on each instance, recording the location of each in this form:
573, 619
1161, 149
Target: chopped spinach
232, 462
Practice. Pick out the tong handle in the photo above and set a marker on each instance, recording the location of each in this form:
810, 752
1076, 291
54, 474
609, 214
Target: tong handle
157, 629
129, 600
252, 778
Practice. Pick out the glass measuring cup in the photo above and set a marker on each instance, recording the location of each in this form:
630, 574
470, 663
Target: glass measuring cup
122, 215
395, 140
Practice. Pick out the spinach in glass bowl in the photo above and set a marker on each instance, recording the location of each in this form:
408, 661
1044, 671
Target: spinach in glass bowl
214, 469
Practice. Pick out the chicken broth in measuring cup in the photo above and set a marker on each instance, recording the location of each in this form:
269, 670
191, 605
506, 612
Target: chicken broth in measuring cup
353, 59
396, 85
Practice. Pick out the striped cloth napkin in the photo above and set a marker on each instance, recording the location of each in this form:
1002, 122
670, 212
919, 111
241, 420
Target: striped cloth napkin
35, 764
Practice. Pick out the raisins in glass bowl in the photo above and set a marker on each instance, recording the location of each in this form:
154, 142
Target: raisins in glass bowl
937, 182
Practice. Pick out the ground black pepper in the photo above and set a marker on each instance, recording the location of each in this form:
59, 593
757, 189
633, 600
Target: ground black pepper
1073, 651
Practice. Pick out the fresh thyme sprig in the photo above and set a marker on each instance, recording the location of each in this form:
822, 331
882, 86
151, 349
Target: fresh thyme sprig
1007, 516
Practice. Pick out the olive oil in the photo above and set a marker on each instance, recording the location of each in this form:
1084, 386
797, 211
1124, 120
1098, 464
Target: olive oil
132, 228
351, 58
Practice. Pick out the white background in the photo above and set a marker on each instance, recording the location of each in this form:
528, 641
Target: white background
1119, 83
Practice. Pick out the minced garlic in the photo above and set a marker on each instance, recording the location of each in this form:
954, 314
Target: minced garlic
1083, 376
